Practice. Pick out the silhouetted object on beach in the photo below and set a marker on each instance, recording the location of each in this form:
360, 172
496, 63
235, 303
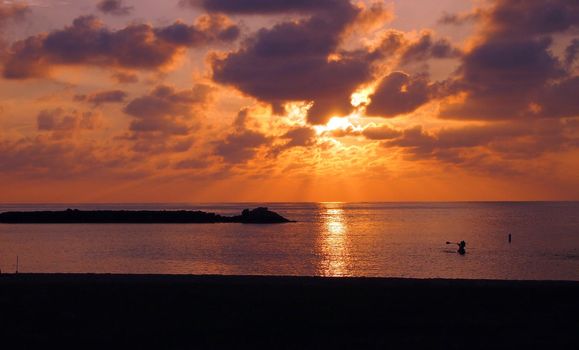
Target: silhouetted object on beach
461, 247
73, 216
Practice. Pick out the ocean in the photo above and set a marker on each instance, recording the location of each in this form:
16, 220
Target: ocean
328, 239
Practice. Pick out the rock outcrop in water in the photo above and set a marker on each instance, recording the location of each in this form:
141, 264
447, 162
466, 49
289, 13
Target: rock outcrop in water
74, 216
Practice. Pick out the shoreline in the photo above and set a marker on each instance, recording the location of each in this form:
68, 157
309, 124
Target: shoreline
95, 276
224, 312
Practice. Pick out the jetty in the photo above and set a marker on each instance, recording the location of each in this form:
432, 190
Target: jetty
74, 216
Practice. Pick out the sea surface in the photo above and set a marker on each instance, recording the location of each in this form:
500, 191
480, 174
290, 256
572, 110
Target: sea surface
329, 239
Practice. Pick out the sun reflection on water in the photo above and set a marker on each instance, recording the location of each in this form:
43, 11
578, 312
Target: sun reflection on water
334, 241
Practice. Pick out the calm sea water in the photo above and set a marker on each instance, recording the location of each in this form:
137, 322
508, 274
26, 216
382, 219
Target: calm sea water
330, 239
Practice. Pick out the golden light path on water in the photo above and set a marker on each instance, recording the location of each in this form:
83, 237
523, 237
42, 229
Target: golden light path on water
334, 241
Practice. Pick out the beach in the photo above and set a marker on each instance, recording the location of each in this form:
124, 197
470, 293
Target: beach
229, 312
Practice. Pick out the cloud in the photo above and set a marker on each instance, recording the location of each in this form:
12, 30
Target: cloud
504, 140
560, 99
382, 132
502, 78
12, 11
239, 147
571, 53
512, 71
302, 136
519, 18
99, 98
427, 47
408, 50
398, 93
253, 7
125, 78
165, 109
114, 7
300, 60
88, 42
242, 144
61, 159
532, 17
164, 119
372, 17
461, 18
35, 156
65, 124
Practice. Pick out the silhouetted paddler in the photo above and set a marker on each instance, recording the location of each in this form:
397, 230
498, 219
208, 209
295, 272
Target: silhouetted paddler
461, 248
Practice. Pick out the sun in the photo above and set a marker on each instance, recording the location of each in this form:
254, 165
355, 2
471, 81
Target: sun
350, 122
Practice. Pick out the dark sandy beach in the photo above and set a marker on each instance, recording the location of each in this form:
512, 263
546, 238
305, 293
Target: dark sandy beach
209, 312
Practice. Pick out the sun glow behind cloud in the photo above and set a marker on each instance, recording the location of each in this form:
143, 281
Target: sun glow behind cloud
348, 123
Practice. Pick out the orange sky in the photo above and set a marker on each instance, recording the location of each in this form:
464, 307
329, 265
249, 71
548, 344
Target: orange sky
269, 100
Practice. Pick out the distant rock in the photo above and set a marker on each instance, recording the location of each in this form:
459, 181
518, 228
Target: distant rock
75, 216
260, 216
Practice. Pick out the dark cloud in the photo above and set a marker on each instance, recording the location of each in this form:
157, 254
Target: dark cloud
503, 78
241, 121
208, 29
46, 158
125, 78
65, 124
383, 132
243, 143
512, 71
398, 93
520, 18
392, 41
460, 19
87, 41
508, 140
114, 7
239, 147
571, 53
39, 157
166, 110
560, 99
300, 61
99, 98
164, 119
249, 7
302, 136
427, 47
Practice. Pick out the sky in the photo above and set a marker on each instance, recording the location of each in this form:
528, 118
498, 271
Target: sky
279, 100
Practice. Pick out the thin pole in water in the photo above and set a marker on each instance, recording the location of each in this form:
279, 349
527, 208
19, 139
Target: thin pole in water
510, 238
